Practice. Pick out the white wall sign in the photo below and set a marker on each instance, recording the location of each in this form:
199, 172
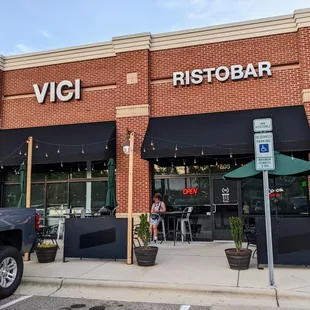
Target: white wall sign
57, 91
263, 124
264, 152
222, 73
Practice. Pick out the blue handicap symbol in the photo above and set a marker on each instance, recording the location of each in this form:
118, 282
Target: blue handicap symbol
264, 148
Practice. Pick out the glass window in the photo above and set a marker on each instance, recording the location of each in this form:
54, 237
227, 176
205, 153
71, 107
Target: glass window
57, 175
98, 195
11, 175
57, 198
222, 168
288, 195
198, 169
169, 170
38, 176
225, 191
11, 195
79, 171
99, 173
77, 196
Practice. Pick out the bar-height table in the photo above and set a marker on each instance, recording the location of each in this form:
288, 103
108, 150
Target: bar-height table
175, 215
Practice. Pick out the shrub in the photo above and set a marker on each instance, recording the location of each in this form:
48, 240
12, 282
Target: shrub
144, 229
236, 227
46, 245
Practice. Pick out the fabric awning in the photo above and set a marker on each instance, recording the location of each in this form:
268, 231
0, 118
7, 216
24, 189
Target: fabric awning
224, 133
76, 143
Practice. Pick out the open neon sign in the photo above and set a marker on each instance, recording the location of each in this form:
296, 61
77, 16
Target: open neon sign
190, 191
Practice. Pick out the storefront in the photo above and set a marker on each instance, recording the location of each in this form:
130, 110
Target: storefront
190, 97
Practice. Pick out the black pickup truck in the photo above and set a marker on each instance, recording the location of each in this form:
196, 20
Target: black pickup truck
18, 235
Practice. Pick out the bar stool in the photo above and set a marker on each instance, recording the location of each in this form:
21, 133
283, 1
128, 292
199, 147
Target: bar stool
163, 231
183, 220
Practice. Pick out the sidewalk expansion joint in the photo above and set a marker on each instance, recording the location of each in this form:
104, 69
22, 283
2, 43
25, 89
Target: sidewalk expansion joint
60, 286
277, 298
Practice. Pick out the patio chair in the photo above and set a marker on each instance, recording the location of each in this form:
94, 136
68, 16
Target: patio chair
163, 228
250, 233
50, 233
185, 219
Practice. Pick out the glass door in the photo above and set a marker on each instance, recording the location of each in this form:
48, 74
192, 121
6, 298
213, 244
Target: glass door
224, 205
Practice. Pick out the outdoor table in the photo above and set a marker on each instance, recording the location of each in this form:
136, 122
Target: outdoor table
175, 215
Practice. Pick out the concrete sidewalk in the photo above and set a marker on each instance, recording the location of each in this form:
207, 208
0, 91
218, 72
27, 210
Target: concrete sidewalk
198, 274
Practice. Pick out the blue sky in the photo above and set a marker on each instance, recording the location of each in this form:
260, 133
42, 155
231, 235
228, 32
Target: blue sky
38, 25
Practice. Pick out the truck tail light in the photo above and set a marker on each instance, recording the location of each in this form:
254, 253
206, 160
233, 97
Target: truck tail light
37, 222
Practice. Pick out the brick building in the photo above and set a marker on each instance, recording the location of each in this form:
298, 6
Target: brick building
186, 136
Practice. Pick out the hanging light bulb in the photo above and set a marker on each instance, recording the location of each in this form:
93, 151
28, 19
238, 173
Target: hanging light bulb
105, 163
230, 155
144, 150
184, 162
152, 143
107, 146
172, 164
176, 147
236, 162
153, 147
292, 156
25, 154
175, 155
61, 165
1, 166
79, 168
82, 149
37, 145
46, 155
92, 168
195, 161
216, 163
58, 151
202, 152
157, 159
20, 152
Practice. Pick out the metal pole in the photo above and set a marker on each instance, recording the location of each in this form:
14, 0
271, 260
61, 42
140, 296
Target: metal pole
28, 184
268, 228
130, 199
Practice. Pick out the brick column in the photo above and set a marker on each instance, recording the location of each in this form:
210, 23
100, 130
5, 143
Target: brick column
132, 112
1, 88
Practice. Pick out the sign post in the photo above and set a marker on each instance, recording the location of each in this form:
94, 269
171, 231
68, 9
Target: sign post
264, 161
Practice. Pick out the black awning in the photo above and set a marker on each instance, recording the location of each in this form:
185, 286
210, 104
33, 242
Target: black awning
224, 133
55, 144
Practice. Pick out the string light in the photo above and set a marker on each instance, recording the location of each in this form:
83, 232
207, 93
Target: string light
172, 164
175, 155
195, 161
79, 168
216, 163
184, 164
58, 151
230, 155
153, 147
37, 145
82, 149
152, 143
107, 146
157, 159
92, 168
61, 165
144, 150
235, 162
25, 154
176, 147
105, 163
292, 156
202, 152
20, 152
46, 155
1, 166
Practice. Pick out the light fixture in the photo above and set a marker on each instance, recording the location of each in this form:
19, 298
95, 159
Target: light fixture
61, 165
230, 155
152, 143
58, 151
105, 163
184, 162
126, 144
20, 152
82, 149
46, 155
235, 162
176, 147
195, 161
153, 148
92, 168
202, 152
79, 168
175, 155
172, 164
25, 154
107, 146
157, 159
1, 166
216, 163
144, 150
292, 156
37, 145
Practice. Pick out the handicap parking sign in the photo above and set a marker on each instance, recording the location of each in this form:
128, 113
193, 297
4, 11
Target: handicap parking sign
264, 148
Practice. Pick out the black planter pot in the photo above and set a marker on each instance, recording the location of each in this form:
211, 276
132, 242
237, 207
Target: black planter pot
146, 256
239, 260
46, 255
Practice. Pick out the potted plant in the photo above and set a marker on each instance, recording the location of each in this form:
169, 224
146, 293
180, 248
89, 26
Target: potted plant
46, 252
238, 258
146, 255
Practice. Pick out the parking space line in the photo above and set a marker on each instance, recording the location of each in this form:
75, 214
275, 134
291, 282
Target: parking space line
185, 307
15, 301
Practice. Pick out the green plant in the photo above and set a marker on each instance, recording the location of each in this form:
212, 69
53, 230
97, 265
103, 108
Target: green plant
46, 245
236, 227
144, 229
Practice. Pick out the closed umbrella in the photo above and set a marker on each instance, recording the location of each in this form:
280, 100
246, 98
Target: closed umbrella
111, 202
284, 165
22, 198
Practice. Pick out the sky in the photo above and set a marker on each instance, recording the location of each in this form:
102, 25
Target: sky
28, 26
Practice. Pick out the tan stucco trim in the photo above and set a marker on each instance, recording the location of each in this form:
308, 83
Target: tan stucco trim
136, 217
305, 95
133, 111
1, 62
146, 41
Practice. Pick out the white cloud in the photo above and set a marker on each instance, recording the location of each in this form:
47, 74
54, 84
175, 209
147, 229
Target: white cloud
45, 33
24, 48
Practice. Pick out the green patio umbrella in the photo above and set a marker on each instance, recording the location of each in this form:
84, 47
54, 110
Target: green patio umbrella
111, 202
284, 165
22, 198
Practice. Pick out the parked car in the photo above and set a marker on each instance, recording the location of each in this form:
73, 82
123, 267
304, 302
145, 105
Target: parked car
18, 235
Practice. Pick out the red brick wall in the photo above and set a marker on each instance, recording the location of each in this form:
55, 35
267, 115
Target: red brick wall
1, 94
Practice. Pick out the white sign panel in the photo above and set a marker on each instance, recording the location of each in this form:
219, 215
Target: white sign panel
263, 124
264, 152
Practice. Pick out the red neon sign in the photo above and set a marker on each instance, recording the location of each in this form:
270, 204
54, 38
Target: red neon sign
190, 191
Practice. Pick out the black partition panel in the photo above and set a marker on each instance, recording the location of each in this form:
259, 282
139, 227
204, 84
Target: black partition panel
103, 237
291, 244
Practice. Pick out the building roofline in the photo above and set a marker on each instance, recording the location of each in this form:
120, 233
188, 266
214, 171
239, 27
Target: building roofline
178, 39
